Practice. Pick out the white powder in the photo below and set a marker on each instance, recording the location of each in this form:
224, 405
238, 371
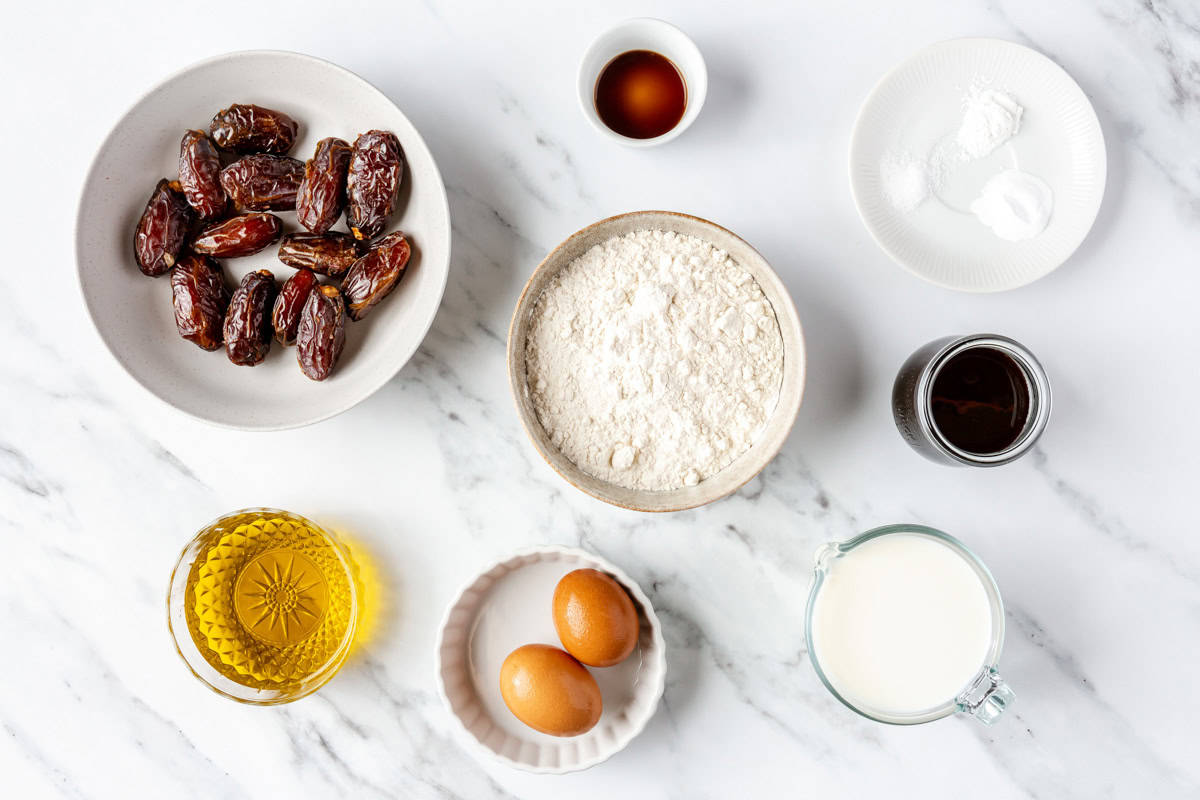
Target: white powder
905, 180
1015, 205
990, 118
653, 360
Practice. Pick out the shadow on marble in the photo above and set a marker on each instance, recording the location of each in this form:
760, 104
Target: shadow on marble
1112, 206
835, 376
728, 97
487, 266
684, 640
378, 589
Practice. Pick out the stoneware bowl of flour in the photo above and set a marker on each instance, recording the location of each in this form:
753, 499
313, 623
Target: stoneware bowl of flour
656, 360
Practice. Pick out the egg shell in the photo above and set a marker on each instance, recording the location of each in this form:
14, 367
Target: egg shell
595, 618
548, 690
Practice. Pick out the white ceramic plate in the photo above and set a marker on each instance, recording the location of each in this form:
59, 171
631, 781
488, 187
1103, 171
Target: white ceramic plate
510, 605
791, 389
133, 313
918, 105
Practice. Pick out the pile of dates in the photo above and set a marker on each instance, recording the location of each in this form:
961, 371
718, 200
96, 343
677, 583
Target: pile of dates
230, 180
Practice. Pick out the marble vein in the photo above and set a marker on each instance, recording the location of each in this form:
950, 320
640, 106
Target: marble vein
1091, 511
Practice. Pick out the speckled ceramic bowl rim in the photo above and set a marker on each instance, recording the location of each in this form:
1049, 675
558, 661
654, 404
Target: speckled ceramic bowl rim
747, 465
658, 673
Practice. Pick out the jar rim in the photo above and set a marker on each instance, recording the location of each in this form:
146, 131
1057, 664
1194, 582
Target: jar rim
1039, 399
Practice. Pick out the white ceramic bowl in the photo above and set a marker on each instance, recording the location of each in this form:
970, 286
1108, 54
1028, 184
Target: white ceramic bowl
133, 313
791, 389
919, 104
509, 605
643, 33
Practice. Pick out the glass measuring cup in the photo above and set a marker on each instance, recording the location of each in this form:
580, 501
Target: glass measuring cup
842, 636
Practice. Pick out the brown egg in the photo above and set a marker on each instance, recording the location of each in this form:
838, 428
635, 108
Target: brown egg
595, 618
550, 691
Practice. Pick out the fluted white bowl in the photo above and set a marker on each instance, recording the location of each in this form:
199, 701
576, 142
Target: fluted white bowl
510, 604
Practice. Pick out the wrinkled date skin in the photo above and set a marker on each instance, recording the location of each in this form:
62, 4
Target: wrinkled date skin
162, 231
331, 254
200, 175
322, 194
239, 236
200, 296
263, 182
376, 169
248, 321
285, 318
253, 129
375, 275
322, 333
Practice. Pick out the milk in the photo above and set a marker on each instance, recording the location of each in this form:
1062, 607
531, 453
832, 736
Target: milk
901, 624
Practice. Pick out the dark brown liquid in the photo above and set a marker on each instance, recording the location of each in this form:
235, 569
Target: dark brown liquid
980, 401
640, 94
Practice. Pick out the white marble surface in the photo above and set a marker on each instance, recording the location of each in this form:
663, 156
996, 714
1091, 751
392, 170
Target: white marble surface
1092, 539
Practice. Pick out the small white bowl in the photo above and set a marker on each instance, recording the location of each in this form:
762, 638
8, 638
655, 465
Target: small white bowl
510, 604
644, 33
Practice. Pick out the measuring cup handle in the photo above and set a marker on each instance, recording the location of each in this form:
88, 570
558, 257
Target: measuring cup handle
986, 698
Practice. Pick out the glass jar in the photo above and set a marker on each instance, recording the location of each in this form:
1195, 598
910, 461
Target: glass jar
912, 400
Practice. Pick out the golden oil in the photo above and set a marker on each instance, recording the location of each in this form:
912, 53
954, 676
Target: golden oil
270, 600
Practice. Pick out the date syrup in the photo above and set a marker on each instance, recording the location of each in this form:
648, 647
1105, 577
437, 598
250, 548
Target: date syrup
981, 401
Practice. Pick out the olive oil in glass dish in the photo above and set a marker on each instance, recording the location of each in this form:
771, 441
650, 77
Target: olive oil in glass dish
263, 606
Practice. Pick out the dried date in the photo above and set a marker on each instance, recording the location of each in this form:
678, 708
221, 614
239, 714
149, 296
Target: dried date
248, 321
162, 231
285, 317
322, 332
201, 297
373, 182
329, 254
246, 128
375, 275
322, 194
263, 182
239, 236
200, 175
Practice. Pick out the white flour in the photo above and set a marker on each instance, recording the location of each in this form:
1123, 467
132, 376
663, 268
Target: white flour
654, 360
